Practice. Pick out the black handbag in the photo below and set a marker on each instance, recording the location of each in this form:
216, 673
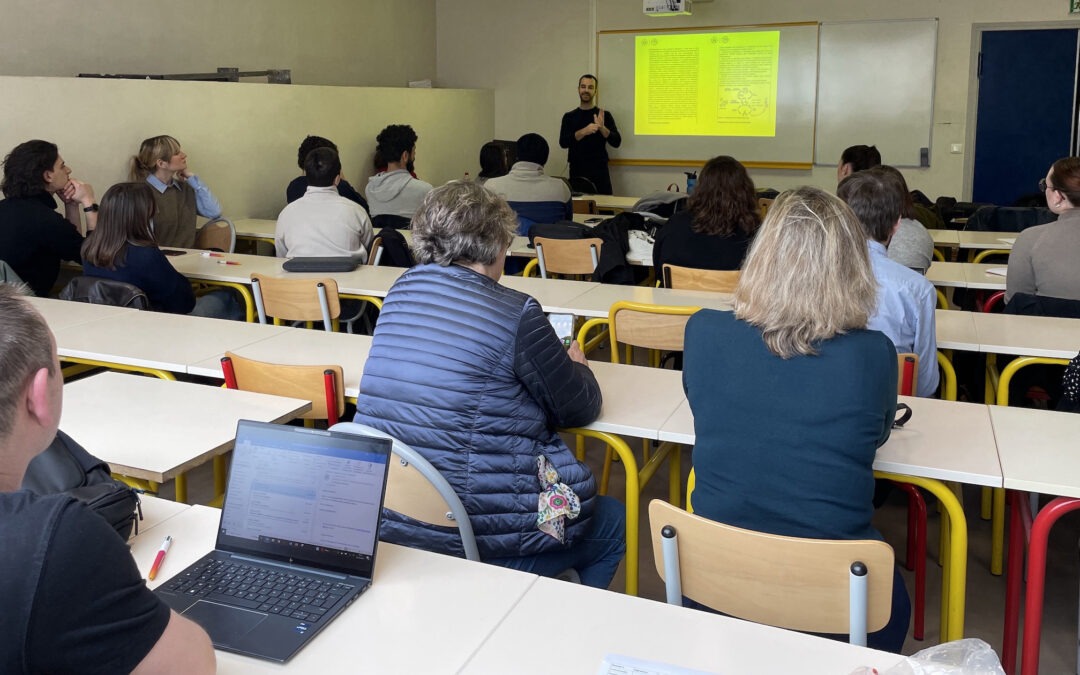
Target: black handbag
67, 467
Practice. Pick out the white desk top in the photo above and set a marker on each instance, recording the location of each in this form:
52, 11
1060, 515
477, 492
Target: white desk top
194, 265
976, 276
424, 613
946, 274
637, 400
302, 347
597, 302
1027, 335
1038, 449
987, 240
156, 511
601, 622
554, 295
956, 330
614, 203
940, 237
162, 428
255, 227
60, 314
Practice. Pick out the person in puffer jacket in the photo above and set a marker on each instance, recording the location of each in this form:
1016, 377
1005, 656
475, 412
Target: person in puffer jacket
471, 375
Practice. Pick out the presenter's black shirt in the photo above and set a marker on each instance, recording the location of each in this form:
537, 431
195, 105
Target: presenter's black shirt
588, 157
34, 238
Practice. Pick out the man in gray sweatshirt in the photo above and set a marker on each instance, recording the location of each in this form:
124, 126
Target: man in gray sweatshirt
396, 191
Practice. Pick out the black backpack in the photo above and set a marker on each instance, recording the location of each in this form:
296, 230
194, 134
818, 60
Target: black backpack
66, 467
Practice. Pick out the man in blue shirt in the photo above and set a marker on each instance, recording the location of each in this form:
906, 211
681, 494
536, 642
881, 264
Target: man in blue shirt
906, 300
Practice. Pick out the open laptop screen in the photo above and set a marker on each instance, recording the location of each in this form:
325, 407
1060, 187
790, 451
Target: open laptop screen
305, 496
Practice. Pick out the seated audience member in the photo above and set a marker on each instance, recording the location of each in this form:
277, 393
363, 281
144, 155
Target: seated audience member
716, 229
470, 374
396, 191
535, 198
296, 188
857, 158
123, 248
911, 245
768, 457
74, 601
178, 193
322, 222
1044, 258
492, 162
905, 299
34, 238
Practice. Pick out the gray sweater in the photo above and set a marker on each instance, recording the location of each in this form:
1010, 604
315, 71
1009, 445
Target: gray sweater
1044, 259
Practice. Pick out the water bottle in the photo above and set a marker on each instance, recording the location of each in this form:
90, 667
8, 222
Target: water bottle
691, 181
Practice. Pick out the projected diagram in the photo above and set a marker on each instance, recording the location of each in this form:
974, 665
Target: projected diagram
706, 84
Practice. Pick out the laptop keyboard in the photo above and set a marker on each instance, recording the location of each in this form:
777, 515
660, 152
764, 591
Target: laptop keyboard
293, 595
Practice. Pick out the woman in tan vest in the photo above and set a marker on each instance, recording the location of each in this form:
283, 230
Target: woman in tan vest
178, 193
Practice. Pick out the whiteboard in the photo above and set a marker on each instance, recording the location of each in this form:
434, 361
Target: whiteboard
796, 89
876, 87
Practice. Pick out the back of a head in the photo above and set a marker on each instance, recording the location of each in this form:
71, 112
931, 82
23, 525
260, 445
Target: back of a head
492, 160
321, 167
395, 140
724, 201
312, 143
907, 210
462, 222
25, 167
123, 218
26, 348
1065, 176
532, 148
861, 157
151, 150
876, 197
807, 277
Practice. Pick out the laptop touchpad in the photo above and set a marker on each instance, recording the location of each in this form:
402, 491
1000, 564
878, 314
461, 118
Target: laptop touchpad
225, 625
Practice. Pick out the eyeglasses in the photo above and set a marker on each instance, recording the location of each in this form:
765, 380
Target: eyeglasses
1044, 186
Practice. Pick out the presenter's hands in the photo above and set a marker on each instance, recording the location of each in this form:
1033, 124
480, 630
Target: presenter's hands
598, 122
576, 355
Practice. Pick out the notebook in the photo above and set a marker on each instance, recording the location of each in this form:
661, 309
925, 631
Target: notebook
297, 540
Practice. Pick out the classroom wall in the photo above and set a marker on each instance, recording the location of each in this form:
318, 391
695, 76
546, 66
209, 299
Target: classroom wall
341, 42
241, 138
540, 49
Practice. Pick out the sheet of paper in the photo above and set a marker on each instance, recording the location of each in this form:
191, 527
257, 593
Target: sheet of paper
617, 664
999, 271
1008, 240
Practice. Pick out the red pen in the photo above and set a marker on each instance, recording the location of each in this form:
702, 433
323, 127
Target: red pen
160, 558
227, 262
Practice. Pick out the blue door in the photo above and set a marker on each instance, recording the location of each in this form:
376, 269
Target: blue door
1025, 110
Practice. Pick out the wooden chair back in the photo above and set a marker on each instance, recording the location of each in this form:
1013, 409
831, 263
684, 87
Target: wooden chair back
304, 382
763, 205
217, 234
650, 326
296, 299
693, 279
908, 381
585, 206
567, 256
375, 252
410, 493
799, 584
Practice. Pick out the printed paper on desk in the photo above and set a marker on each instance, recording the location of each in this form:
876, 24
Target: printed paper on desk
616, 664
998, 271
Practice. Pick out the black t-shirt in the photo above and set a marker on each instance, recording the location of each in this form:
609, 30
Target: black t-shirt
590, 153
678, 244
73, 599
34, 238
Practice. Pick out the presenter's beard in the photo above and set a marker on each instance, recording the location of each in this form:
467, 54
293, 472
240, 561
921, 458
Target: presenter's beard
585, 98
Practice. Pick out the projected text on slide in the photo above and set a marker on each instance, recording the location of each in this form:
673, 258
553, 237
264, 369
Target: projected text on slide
706, 84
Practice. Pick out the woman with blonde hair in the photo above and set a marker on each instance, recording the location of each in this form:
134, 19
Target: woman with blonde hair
178, 193
791, 394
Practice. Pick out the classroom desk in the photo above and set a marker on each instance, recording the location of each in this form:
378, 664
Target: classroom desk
976, 276
1027, 335
637, 400
424, 612
554, 295
599, 623
156, 511
971, 239
946, 274
597, 302
256, 229
60, 314
940, 237
956, 330
163, 428
610, 202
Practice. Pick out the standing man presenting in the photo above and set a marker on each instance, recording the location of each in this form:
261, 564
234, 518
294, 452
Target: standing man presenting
586, 131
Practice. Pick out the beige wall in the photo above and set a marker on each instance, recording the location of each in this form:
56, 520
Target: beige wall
244, 143
534, 61
342, 42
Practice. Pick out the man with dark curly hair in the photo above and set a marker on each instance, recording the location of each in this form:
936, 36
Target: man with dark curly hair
396, 191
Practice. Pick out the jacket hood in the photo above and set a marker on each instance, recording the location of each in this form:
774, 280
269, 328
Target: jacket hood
388, 185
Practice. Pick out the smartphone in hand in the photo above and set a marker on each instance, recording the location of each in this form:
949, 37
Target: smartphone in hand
564, 327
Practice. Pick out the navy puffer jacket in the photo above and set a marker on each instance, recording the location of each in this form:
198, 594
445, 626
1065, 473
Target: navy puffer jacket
471, 375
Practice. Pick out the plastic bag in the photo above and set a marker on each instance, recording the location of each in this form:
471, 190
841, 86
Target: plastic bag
970, 656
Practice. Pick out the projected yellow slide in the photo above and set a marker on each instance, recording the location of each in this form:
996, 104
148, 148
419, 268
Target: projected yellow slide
706, 84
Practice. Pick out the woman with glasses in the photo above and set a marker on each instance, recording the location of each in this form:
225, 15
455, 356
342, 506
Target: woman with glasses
1043, 259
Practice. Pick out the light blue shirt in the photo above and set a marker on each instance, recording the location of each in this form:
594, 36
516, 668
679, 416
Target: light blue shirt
206, 204
905, 313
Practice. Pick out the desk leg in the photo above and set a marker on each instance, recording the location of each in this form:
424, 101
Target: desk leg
1014, 581
244, 291
997, 532
180, 485
954, 573
1036, 585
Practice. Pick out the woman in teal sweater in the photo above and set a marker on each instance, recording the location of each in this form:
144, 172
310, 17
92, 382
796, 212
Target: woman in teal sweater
791, 394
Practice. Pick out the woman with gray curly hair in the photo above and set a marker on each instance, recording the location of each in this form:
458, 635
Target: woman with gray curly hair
471, 374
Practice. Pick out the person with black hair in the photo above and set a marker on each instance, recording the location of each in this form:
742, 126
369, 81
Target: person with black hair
857, 158
535, 198
34, 238
492, 162
323, 222
396, 191
586, 132
296, 188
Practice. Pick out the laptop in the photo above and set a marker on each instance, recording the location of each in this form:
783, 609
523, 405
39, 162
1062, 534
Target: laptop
297, 540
